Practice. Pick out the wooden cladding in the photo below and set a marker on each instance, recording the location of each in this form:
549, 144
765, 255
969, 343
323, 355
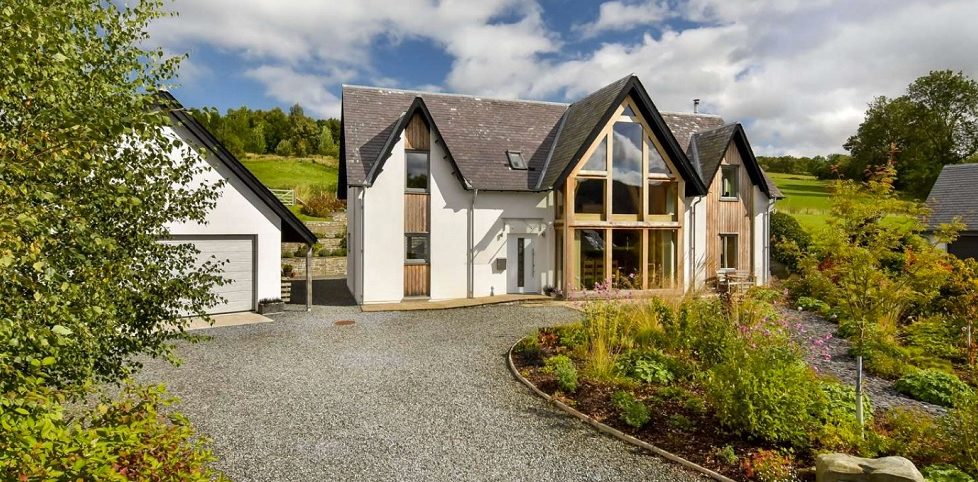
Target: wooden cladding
730, 217
416, 134
416, 212
416, 280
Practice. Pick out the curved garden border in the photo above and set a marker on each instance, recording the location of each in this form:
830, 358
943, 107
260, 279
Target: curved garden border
605, 429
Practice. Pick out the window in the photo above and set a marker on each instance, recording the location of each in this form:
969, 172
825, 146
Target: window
417, 170
559, 203
728, 251
626, 163
663, 197
598, 162
626, 259
662, 258
590, 249
628, 112
728, 182
516, 160
589, 196
657, 165
416, 248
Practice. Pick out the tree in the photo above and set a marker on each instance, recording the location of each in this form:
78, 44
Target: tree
326, 145
89, 181
934, 124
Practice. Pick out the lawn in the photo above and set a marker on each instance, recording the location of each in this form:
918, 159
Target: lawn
806, 198
302, 174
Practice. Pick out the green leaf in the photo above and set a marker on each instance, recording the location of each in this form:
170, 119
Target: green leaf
60, 330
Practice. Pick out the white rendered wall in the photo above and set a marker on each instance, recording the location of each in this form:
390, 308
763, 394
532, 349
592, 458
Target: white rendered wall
761, 230
354, 243
383, 232
238, 211
499, 214
449, 220
694, 258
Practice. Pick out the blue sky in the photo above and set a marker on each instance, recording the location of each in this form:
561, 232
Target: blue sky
797, 73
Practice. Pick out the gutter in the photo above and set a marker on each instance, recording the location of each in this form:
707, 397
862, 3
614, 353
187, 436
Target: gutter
471, 245
692, 241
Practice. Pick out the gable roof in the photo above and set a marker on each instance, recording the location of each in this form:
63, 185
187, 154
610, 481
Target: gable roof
953, 195
476, 131
293, 230
710, 146
587, 117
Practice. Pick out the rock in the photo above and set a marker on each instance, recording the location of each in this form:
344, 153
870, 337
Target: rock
846, 468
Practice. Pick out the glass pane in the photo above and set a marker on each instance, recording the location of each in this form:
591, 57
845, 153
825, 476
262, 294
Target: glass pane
589, 198
662, 259
559, 260
729, 176
663, 197
589, 244
417, 248
626, 259
628, 111
626, 175
599, 158
417, 170
516, 160
728, 251
520, 262
657, 165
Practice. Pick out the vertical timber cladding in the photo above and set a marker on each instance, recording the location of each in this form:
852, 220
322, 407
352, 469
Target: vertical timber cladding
417, 277
729, 217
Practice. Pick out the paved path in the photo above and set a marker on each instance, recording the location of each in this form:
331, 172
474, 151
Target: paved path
396, 396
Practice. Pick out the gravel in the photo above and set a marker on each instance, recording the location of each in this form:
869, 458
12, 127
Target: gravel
405, 396
843, 366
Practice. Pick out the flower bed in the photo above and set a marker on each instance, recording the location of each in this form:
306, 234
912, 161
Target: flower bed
724, 385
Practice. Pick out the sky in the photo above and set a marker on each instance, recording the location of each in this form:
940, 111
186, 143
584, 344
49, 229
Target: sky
797, 73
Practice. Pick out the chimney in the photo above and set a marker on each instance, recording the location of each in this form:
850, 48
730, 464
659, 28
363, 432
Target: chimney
696, 106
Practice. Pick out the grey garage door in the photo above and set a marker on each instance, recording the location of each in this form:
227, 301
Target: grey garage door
239, 270
965, 246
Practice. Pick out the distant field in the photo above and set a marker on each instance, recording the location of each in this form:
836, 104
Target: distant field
305, 175
806, 198
302, 174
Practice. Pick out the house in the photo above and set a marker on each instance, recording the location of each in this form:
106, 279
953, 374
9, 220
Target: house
245, 227
953, 197
454, 196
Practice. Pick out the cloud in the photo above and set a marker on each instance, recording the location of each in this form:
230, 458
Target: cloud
618, 15
798, 73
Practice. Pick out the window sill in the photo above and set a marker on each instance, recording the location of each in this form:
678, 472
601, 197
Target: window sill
729, 199
416, 191
415, 262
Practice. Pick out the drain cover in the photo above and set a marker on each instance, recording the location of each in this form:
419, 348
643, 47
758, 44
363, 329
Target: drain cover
344, 322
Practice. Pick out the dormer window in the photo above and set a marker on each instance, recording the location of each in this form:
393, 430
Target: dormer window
516, 160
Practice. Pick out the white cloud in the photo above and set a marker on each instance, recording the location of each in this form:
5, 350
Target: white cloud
798, 72
618, 15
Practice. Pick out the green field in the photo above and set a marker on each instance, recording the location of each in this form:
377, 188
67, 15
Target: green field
806, 198
305, 175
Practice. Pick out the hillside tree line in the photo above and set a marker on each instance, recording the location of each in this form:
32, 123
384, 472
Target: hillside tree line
273, 131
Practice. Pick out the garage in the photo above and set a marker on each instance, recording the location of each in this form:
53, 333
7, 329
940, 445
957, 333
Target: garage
238, 253
966, 246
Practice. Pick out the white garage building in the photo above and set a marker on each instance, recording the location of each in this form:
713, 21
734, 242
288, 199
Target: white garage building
246, 227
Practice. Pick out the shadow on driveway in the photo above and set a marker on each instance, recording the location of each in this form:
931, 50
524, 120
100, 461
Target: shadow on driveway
325, 292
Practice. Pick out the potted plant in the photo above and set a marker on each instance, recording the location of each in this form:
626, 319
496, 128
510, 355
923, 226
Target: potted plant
288, 271
270, 305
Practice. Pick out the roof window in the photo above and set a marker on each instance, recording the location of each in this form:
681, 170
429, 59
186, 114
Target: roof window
516, 160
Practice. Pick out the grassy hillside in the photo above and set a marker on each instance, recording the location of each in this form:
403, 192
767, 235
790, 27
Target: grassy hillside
306, 175
807, 198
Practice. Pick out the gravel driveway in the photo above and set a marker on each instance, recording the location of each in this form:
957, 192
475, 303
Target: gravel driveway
405, 396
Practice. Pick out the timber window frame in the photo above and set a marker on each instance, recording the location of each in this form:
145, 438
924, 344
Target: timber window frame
408, 154
411, 250
729, 245
729, 182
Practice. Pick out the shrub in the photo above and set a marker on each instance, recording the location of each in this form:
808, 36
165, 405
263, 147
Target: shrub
960, 430
911, 433
935, 336
945, 473
126, 438
807, 303
648, 366
529, 349
606, 330
726, 455
321, 204
703, 329
767, 393
631, 410
562, 368
841, 429
932, 386
769, 466
788, 239
288, 270
571, 336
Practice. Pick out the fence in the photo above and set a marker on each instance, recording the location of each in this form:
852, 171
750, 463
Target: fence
287, 196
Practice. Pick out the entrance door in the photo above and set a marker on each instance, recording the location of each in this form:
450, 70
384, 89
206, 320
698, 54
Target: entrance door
521, 268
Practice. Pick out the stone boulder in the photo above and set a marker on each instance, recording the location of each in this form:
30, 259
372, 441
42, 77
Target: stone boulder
846, 468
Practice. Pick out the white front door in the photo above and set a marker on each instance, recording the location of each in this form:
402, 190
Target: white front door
520, 266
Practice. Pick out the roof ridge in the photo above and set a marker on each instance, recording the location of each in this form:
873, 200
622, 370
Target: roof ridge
455, 94
691, 114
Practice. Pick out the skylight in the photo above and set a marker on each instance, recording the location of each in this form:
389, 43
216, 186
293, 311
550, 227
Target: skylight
516, 160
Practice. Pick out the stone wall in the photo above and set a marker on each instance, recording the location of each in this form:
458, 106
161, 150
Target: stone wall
322, 267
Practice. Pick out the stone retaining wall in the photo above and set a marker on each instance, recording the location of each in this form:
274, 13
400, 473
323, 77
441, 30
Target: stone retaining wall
321, 266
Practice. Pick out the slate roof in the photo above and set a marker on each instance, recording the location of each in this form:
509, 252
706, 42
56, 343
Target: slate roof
478, 131
954, 195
